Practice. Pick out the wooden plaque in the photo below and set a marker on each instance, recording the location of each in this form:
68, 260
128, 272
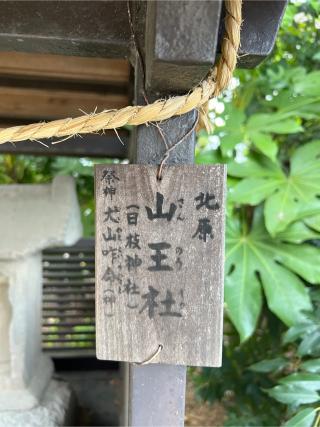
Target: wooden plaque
159, 263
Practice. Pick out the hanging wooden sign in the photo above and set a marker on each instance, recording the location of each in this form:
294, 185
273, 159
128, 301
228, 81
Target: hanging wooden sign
159, 263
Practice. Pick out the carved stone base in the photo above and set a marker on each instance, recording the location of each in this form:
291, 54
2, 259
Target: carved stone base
26, 396
55, 409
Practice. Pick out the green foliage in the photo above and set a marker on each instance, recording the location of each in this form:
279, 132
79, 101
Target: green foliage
288, 197
269, 365
298, 374
268, 134
25, 169
253, 259
269, 137
238, 388
303, 418
32, 169
283, 99
282, 388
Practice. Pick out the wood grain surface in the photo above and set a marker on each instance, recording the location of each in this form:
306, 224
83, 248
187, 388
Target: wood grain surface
159, 263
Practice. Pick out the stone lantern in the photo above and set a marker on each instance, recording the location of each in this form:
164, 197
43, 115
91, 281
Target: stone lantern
32, 217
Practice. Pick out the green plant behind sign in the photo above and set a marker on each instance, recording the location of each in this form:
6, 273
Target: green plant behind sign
269, 135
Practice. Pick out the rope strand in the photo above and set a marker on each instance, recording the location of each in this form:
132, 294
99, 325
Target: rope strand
217, 80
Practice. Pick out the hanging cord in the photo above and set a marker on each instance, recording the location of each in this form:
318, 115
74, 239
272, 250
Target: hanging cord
174, 146
217, 80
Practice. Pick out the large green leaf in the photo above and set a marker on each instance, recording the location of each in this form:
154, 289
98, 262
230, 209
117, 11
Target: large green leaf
292, 394
309, 85
302, 259
254, 262
297, 99
311, 366
265, 143
275, 123
287, 197
313, 222
269, 365
242, 287
307, 107
310, 345
298, 331
307, 380
253, 190
256, 166
298, 232
233, 136
303, 418
308, 333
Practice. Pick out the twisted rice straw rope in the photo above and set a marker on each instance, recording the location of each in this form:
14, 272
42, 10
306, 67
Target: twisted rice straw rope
217, 80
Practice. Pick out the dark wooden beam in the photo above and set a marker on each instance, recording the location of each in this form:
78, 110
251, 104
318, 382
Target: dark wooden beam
157, 391
180, 43
92, 145
181, 39
261, 22
178, 39
84, 28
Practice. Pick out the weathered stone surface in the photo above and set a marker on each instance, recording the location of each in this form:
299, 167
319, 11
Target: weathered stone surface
32, 217
53, 410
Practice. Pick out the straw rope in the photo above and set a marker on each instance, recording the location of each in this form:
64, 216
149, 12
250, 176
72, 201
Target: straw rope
217, 80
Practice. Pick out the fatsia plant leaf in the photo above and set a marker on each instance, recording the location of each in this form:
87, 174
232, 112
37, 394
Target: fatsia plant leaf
275, 123
309, 85
256, 262
287, 197
296, 97
256, 166
298, 232
243, 294
313, 222
265, 143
